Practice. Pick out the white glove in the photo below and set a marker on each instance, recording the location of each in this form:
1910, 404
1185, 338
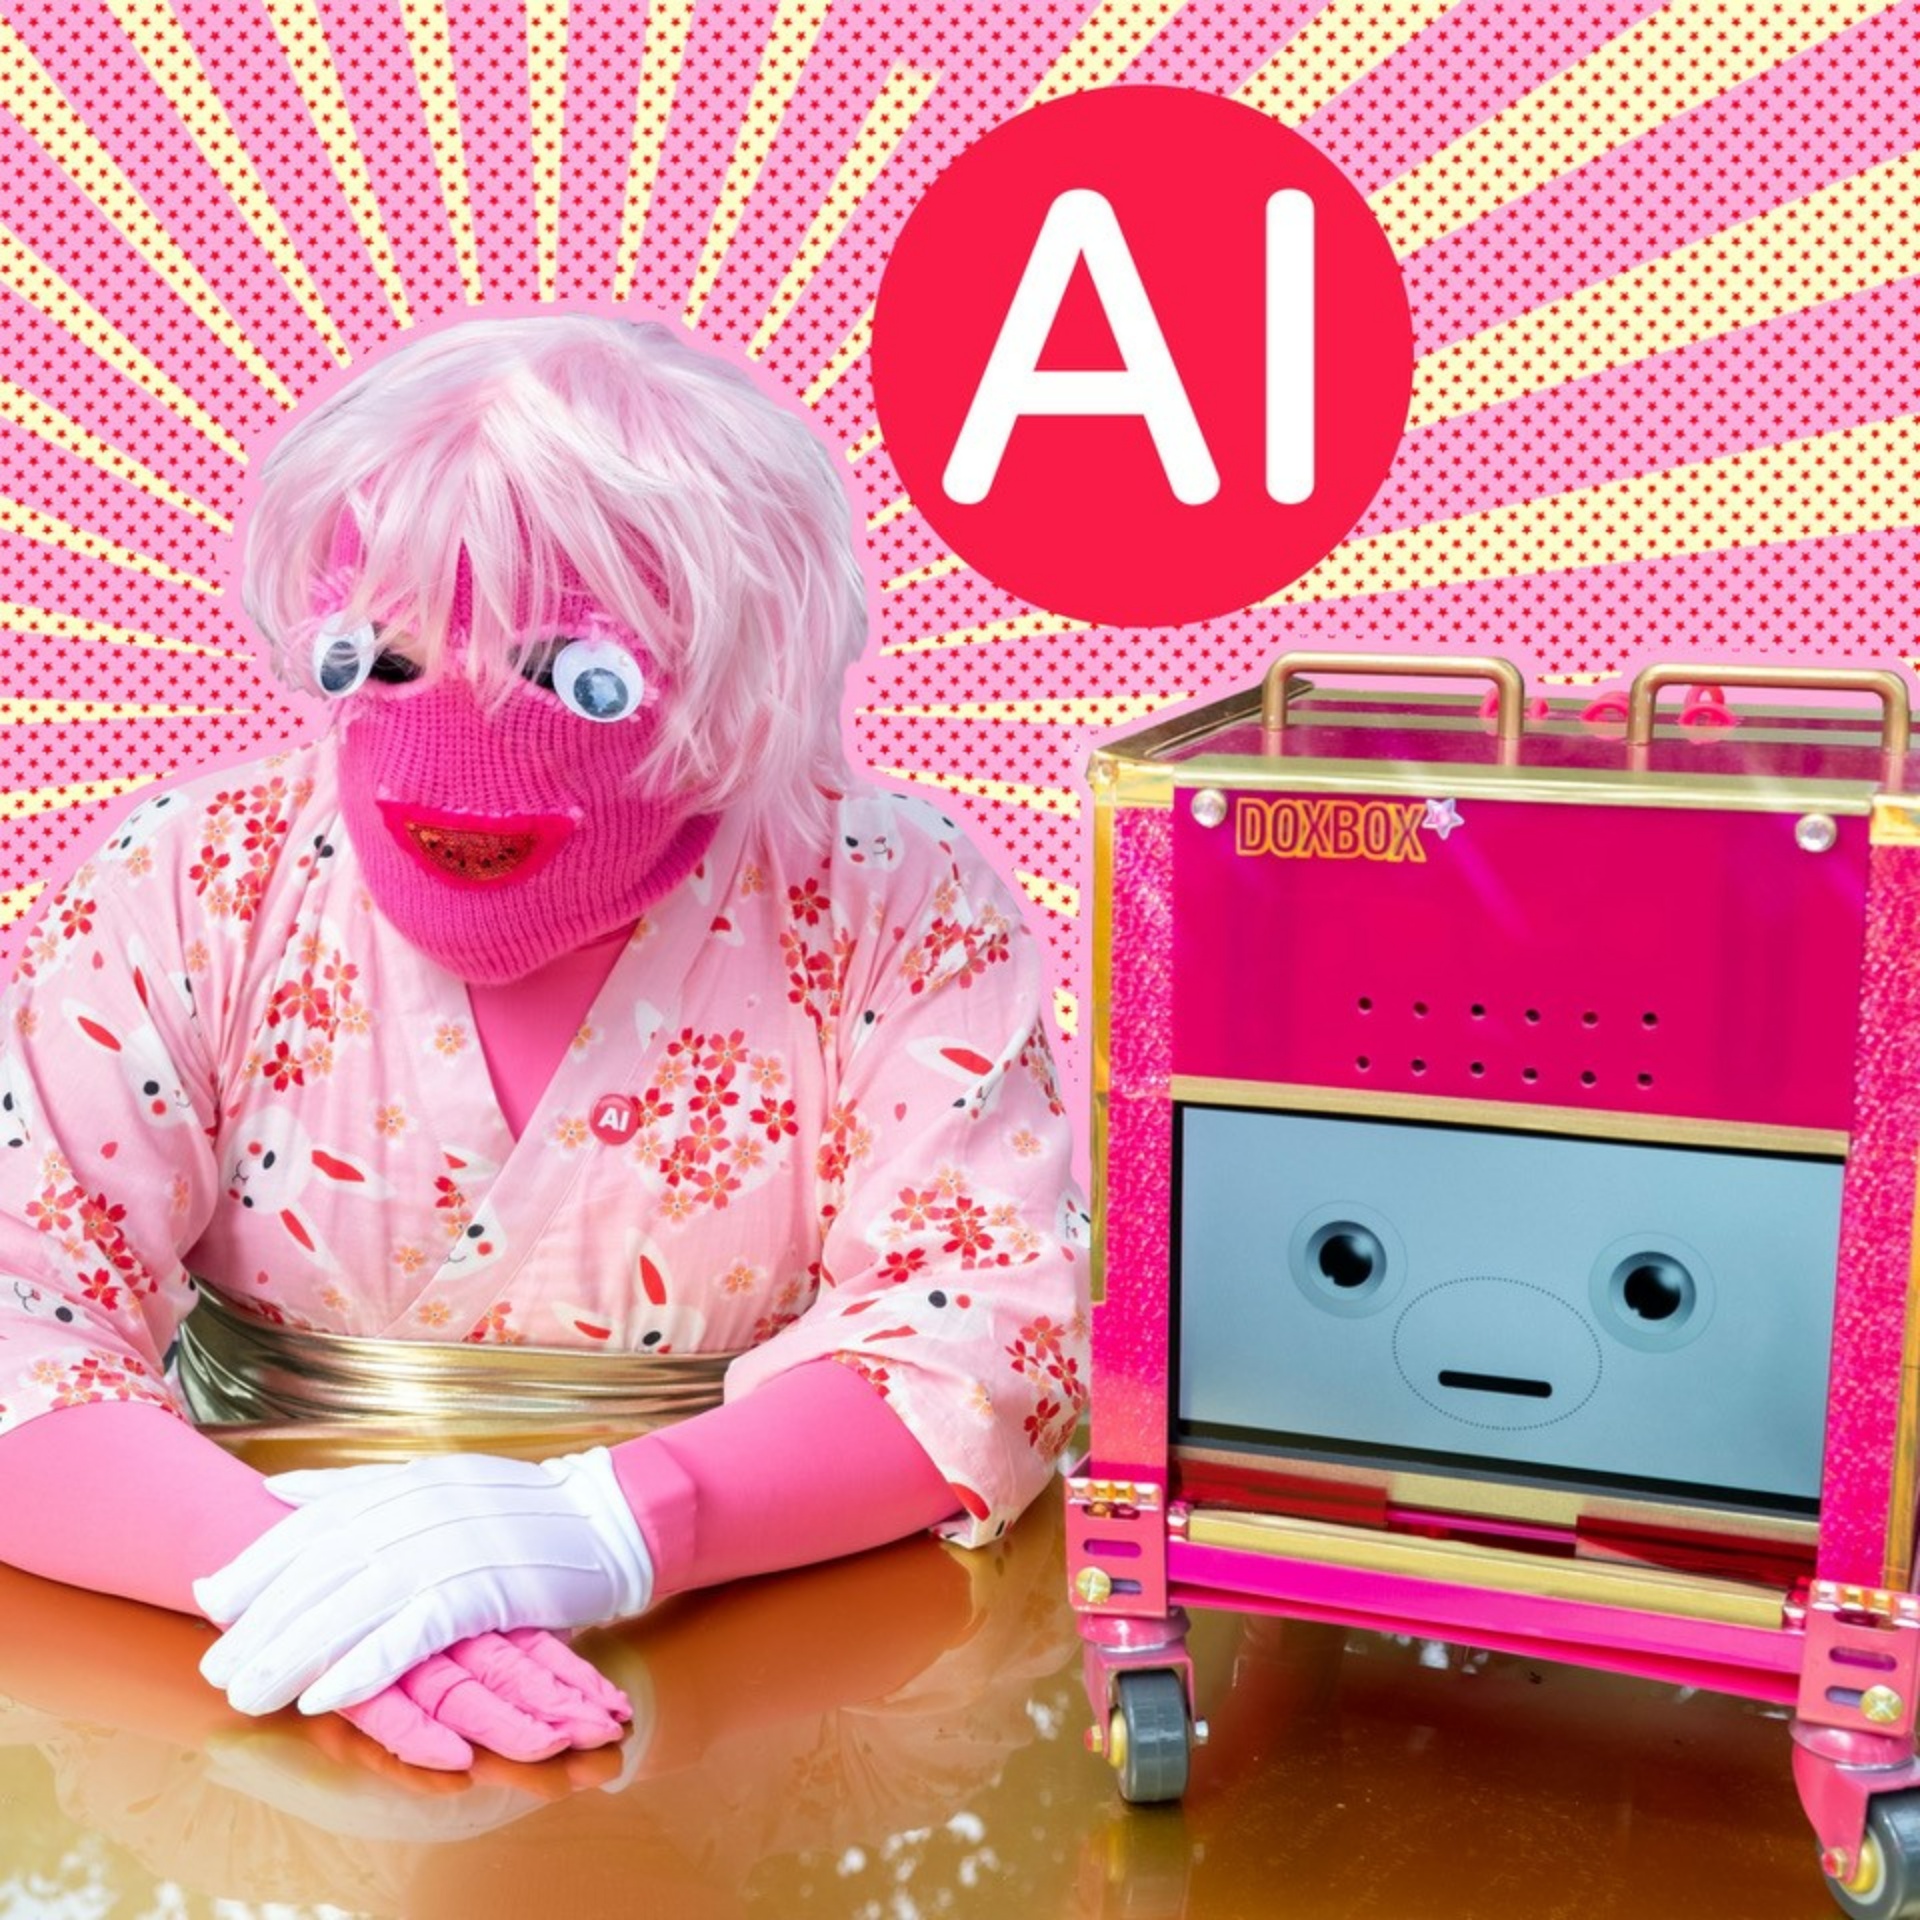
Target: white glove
383, 1565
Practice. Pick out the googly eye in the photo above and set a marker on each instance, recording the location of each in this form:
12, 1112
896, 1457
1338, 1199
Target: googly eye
343, 657
598, 679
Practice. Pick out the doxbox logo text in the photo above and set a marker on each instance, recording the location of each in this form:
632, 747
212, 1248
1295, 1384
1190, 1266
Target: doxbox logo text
1386, 830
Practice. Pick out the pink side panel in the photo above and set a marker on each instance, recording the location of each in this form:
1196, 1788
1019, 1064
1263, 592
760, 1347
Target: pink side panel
1675, 961
1876, 1235
1130, 1343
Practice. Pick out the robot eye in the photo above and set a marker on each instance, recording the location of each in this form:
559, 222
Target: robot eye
597, 679
343, 657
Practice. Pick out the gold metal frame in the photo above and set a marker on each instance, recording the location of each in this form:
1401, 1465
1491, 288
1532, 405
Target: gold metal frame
1457, 1563
1510, 1114
1136, 773
1528, 1503
1898, 1570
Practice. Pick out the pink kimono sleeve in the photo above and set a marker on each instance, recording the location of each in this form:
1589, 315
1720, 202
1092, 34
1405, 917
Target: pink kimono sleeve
953, 1267
107, 1172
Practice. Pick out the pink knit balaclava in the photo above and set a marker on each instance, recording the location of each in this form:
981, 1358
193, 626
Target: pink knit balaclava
498, 834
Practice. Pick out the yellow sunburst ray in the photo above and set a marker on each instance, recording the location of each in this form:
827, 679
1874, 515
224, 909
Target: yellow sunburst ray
16, 901
52, 623
1091, 711
303, 40
1110, 39
19, 803
1664, 65
1066, 1012
795, 28
905, 91
850, 350
1853, 480
175, 68
547, 105
665, 47
1106, 44
1842, 239
1342, 43
919, 576
868, 443
1056, 896
28, 91
58, 429
33, 523
430, 46
45, 713
1019, 626
51, 294
1013, 793
891, 512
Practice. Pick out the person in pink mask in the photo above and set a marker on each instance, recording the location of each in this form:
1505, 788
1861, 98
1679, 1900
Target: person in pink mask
563, 1035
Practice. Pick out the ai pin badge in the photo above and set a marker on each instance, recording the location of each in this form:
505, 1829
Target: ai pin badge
616, 1118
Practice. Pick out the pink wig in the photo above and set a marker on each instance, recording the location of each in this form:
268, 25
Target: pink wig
517, 464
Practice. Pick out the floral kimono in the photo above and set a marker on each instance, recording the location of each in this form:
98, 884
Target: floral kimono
811, 1113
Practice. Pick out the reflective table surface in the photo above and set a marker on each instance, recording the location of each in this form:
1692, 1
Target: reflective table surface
901, 1735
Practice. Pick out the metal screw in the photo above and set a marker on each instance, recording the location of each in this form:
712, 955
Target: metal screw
1882, 1706
1209, 806
1815, 832
1093, 1586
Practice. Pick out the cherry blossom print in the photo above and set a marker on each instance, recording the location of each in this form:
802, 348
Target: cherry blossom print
495, 1328
97, 1376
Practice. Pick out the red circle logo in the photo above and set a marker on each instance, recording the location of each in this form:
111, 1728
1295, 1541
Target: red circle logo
1142, 356
616, 1119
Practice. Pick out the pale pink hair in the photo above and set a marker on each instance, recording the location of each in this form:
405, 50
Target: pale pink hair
508, 466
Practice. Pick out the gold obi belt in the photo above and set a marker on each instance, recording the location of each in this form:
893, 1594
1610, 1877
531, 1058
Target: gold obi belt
237, 1371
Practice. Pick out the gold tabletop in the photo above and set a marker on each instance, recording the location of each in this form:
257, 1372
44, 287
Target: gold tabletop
900, 1735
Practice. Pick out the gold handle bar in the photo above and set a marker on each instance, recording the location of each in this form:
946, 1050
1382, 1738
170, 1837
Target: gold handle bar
1509, 687
1882, 682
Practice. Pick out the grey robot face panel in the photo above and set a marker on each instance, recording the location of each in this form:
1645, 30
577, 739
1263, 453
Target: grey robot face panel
1618, 1314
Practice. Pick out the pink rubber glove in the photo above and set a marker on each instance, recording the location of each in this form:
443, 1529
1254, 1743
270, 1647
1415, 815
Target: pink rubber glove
523, 1695
164, 1505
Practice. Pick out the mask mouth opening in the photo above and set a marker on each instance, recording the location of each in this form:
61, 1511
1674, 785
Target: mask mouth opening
473, 849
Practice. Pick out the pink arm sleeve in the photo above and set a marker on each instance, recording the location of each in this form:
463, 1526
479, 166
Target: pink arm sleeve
125, 1498
808, 1467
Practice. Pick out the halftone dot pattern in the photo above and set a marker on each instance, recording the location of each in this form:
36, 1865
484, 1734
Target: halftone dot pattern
1660, 258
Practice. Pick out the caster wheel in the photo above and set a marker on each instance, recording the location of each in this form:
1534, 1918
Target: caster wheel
1148, 1737
1885, 1883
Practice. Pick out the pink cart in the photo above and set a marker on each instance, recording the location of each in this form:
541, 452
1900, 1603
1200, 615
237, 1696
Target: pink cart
1506, 1130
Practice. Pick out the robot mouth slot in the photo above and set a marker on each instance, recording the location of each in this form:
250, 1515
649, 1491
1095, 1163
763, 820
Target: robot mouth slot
1497, 1383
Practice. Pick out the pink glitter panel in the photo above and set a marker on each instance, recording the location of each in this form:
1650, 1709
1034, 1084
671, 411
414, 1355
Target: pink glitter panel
1130, 1344
1876, 1236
